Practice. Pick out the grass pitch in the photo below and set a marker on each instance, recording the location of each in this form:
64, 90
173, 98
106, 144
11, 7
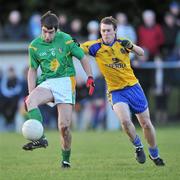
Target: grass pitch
95, 156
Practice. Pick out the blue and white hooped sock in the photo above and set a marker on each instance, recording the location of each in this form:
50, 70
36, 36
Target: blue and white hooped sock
154, 153
137, 142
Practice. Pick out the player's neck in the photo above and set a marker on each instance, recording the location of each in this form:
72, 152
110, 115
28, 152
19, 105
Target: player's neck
109, 43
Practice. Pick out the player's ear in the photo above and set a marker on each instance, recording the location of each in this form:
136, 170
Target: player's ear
115, 29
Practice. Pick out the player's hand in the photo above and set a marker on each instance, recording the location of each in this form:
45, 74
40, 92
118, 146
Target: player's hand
90, 84
25, 105
127, 44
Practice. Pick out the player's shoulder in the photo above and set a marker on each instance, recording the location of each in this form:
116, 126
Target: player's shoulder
92, 42
122, 38
92, 46
34, 43
67, 37
63, 34
36, 40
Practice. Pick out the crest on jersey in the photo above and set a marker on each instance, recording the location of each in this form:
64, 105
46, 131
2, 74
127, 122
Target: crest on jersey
116, 60
54, 65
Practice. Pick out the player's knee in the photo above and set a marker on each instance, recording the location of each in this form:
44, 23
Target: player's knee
63, 121
62, 125
126, 123
146, 125
64, 130
28, 102
31, 103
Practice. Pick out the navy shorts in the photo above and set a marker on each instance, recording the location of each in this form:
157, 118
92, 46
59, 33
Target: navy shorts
131, 95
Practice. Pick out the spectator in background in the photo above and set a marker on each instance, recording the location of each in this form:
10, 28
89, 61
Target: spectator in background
99, 104
151, 38
164, 81
177, 72
2, 120
169, 49
150, 34
174, 8
34, 26
76, 29
178, 40
93, 30
174, 77
49, 116
11, 89
170, 30
1, 96
14, 30
136, 63
1, 31
24, 93
90, 112
83, 112
126, 30
63, 23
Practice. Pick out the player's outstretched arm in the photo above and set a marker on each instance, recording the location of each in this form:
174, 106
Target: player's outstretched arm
132, 47
138, 50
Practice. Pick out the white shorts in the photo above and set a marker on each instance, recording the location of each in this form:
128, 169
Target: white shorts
63, 89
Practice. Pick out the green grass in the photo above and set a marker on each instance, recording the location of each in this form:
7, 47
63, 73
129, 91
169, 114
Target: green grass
95, 156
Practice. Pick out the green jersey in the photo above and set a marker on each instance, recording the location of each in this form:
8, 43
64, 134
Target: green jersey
54, 58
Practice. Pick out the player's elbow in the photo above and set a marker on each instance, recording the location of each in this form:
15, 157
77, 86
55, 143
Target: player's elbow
140, 52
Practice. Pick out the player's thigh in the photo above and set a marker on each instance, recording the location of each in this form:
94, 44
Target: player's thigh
144, 117
122, 111
64, 114
40, 96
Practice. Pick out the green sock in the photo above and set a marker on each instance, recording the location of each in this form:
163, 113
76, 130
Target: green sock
35, 114
66, 155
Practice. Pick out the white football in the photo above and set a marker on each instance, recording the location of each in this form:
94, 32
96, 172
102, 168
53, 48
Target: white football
32, 129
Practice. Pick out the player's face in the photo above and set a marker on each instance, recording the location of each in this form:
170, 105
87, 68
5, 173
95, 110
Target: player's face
108, 33
48, 34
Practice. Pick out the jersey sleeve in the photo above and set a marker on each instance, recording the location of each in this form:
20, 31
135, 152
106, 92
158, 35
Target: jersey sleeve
91, 47
75, 50
85, 48
33, 61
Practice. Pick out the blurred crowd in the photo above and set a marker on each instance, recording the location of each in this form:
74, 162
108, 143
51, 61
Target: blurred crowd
160, 40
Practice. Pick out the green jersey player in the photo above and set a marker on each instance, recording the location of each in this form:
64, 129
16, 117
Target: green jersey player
53, 52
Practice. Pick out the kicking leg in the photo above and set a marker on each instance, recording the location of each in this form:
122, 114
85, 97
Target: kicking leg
38, 96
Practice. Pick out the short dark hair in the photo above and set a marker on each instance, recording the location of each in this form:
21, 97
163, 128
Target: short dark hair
109, 20
50, 21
